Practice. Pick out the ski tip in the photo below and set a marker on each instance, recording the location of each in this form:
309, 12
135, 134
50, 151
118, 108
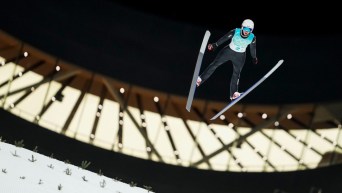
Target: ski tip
213, 118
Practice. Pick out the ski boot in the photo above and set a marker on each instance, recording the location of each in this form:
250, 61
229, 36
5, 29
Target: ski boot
198, 82
235, 96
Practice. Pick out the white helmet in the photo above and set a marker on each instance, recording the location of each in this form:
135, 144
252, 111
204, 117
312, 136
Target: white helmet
248, 24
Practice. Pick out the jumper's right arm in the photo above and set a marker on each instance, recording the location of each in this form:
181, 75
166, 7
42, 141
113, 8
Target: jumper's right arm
225, 38
222, 40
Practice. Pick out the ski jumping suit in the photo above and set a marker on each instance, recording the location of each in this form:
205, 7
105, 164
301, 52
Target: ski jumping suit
236, 52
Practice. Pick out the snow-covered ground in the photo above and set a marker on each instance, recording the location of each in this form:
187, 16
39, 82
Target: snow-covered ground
23, 170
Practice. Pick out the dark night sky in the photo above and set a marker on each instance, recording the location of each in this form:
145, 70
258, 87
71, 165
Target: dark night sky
279, 18
155, 44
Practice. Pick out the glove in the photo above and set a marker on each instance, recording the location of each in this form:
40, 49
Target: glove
212, 47
255, 60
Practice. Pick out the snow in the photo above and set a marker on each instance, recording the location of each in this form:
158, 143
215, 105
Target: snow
25, 171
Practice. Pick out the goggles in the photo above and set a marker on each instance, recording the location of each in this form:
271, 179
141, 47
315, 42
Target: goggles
247, 29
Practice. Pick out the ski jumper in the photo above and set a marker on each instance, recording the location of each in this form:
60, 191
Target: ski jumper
235, 52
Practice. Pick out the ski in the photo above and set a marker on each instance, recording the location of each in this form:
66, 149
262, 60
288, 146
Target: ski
280, 62
197, 69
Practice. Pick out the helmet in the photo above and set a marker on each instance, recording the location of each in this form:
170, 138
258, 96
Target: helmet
247, 23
